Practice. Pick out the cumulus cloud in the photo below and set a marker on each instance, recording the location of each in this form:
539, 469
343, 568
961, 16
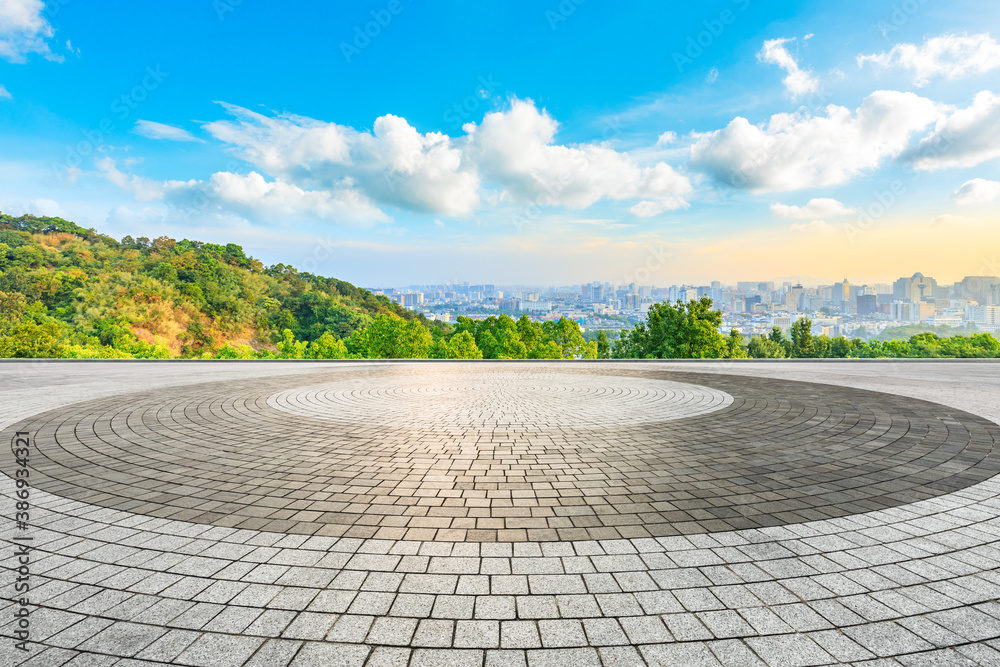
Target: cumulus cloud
393, 164
964, 138
4, 93
250, 196
949, 56
666, 138
154, 130
799, 81
515, 149
511, 156
822, 207
977, 191
796, 151
24, 30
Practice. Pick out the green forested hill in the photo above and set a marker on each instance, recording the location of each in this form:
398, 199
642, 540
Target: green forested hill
69, 291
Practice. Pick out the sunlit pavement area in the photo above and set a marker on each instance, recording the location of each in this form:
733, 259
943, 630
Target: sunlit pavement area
495, 513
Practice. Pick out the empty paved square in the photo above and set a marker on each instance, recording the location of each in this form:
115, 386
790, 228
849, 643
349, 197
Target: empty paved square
509, 513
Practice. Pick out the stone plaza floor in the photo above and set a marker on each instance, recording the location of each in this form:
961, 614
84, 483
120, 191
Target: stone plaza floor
505, 513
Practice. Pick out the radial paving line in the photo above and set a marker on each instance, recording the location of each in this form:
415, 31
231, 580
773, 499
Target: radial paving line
537, 514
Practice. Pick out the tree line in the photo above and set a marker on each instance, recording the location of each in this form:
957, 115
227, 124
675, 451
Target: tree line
692, 331
71, 292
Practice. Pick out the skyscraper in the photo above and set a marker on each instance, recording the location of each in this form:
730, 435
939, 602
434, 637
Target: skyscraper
915, 288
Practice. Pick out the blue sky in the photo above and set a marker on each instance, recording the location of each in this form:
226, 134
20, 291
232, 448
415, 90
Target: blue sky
398, 142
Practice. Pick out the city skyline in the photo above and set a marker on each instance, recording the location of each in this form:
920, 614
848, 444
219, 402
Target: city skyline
752, 308
793, 140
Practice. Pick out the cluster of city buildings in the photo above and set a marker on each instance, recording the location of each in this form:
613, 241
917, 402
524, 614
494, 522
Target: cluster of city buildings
749, 307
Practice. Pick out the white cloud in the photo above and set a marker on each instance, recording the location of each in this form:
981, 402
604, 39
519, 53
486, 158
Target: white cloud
647, 208
249, 196
950, 56
814, 227
666, 138
154, 130
40, 206
822, 207
712, 76
24, 30
964, 138
45, 207
796, 151
515, 150
799, 81
252, 195
396, 165
4, 93
143, 189
977, 191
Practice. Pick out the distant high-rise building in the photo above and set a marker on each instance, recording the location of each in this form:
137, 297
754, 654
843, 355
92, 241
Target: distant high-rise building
867, 304
915, 288
904, 311
842, 292
793, 298
984, 290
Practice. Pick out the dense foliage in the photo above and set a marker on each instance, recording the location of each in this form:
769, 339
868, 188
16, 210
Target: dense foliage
691, 331
66, 292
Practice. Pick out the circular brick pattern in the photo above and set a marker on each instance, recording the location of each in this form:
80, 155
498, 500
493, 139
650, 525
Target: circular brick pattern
495, 398
507, 452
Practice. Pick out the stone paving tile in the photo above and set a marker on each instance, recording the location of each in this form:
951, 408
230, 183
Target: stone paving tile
863, 529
